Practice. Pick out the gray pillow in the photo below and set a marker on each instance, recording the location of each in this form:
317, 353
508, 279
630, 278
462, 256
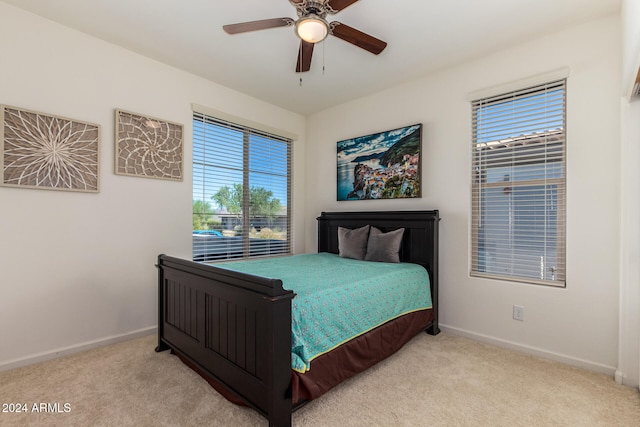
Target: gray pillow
384, 247
353, 243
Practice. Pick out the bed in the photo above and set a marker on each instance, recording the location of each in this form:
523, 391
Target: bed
235, 328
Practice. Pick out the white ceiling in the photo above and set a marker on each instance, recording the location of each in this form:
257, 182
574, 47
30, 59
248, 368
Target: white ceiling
422, 36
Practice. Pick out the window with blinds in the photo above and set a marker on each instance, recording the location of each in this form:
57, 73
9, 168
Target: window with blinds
518, 186
241, 191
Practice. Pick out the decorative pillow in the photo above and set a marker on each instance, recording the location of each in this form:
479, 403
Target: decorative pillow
352, 243
384, 247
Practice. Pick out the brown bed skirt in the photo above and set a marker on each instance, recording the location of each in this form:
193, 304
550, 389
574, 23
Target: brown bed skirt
342, 363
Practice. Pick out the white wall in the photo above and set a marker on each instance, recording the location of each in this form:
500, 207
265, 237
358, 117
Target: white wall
78, 268
578, 324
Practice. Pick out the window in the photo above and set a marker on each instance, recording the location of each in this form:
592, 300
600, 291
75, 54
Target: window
518, 185
241, 191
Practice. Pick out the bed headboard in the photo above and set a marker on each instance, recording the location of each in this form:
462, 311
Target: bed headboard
419, 243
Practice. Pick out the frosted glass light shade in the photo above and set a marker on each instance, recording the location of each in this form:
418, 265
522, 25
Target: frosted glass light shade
312, 29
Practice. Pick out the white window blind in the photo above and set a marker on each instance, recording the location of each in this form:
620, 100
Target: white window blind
519, 186
241, 191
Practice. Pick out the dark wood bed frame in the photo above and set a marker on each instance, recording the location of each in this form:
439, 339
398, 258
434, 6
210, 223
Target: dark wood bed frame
236, 327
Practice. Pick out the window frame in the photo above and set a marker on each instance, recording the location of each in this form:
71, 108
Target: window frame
528, 144
245, 249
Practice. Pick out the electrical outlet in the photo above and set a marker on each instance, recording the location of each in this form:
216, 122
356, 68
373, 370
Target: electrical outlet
518, 312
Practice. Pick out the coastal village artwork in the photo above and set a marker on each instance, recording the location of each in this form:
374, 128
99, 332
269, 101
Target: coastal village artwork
383, 165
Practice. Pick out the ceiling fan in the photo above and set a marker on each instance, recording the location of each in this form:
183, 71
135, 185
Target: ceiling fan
312, 28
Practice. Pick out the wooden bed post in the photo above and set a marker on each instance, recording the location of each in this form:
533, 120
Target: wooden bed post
162, 346
279, 411
434, 329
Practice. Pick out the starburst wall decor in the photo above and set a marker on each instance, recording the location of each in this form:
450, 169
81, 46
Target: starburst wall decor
148, 147
43, 151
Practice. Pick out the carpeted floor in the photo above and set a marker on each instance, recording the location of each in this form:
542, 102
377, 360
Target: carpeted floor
433, 381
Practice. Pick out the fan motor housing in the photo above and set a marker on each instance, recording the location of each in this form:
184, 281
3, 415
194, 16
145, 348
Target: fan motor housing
308, 7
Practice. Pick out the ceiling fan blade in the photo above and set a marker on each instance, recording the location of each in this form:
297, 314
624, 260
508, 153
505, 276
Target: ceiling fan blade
338, 5
358, 38
262, 24
305, 52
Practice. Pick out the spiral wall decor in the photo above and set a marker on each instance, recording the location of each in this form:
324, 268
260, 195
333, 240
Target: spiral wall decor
148, 147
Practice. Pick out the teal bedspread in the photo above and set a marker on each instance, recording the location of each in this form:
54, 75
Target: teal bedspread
339, 298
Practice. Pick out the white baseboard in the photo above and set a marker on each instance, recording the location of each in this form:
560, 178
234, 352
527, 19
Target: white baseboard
66, 351
535, 351
619, 377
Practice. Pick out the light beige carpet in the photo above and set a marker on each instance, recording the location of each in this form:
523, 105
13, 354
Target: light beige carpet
433, 381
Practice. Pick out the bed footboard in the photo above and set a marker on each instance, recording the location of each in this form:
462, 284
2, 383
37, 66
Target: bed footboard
235, 327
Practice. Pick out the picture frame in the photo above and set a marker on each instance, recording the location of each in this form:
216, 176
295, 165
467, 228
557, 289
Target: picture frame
148, 147
44, 151
383, 165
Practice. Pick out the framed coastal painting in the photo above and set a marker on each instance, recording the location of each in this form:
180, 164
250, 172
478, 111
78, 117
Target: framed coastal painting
384, 165
148, 147
44, 151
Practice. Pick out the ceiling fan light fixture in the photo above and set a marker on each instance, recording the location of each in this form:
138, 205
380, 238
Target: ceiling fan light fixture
312, 28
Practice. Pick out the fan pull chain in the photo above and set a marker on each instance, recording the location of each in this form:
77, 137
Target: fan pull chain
300, 62
323, 42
